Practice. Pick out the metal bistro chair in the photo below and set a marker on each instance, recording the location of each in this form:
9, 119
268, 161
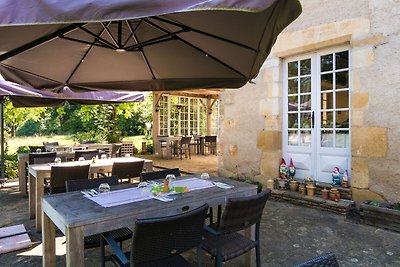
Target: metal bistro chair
183, 146
326, 260
210, 142
223, 240
93, 241
127, 170
86, 154
60, 174
147, 176
160, 241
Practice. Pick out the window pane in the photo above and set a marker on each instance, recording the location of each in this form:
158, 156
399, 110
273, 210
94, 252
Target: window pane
327, 101
326, 119
293, 103
305, 85
326, 82
305, 120
292, 120
342, 99
293, 138
305, 66
342, 119
342, 139
326, 62
305, 102
326, 138
292, 68
292, 86
305, 138
342, 60
342, 79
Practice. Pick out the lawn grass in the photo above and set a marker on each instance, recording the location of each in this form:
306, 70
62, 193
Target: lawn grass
15, 142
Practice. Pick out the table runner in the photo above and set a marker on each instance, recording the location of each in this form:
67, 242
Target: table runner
130, 195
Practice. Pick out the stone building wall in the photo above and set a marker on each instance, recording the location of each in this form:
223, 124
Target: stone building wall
251, 117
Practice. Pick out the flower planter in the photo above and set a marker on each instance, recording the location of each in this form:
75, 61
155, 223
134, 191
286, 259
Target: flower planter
380, 216
310, 190
294, 185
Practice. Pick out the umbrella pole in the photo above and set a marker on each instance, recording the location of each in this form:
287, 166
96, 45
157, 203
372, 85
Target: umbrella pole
2, 136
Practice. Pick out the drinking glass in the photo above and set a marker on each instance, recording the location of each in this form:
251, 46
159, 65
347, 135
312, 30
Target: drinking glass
81, 159
104, 187
170, 178
104, 156
127, 155
205, 176
57, 160
38, 150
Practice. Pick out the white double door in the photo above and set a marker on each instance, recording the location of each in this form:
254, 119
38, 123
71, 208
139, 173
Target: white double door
316, 113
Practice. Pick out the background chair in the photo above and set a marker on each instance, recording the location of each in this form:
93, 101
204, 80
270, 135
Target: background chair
127, 170
34, 149
223, 240
45, 157
126, 148
210, 142
183, 146
60, 174
93, 241
163, 144
160, 241
115, 150
86, 154
326, 260
88, 142
51, 144
147, 176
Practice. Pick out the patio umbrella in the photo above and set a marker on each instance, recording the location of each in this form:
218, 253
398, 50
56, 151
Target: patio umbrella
22, 96
138, 44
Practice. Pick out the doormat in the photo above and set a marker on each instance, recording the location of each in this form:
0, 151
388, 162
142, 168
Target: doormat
14, 238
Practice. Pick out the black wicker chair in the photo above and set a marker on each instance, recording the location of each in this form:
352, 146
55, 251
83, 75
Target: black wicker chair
86, 154
223, 240
147, 176
160, 241
127, 170
210, 142
45, 157
60, 174
93, 241
326, 260
34, 149
183, 147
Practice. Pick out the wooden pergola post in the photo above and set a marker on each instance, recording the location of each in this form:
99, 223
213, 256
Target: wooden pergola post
156, 122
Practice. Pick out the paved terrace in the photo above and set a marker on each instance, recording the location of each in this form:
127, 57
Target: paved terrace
290, 234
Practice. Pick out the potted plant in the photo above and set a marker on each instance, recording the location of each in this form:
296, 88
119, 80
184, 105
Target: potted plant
294, 184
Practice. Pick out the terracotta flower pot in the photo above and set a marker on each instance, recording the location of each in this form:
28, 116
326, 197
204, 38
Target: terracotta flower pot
325, 193
302, 189
310, 190
294, 185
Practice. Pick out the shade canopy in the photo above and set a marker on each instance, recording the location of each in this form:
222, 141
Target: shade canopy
138, 45
22, 96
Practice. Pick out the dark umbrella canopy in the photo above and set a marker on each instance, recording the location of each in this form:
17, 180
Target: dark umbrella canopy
144, 47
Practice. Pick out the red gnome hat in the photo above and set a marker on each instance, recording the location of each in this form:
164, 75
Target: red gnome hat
291, 163
283, 161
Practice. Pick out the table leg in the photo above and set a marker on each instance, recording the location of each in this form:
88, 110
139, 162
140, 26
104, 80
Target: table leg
39, 195
49, 241
22, 176
202, 146
32, 196
75, 247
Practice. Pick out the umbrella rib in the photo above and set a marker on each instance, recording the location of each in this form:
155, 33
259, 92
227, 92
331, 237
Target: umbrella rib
132, 30
83, 42
105, 26
198, 49
206, 33
145, 58
154, 40
38, 41
97, 37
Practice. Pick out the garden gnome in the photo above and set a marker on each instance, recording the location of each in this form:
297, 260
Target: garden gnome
283, 169
292, 170
345, 179
336, 177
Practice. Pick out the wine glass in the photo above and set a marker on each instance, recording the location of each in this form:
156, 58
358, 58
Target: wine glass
170, 178
57, 160
205, 176
81, 159
104, 187
103, 156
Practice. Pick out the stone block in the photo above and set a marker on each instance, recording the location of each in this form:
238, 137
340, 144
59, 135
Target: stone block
359, 100
359, 173
362, 57
233, 150
369, 141
357, 118
269, 163
269, 140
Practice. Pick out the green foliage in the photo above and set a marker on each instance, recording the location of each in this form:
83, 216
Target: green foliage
28, 128
23, 149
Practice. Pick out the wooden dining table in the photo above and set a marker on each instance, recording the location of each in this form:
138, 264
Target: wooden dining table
39, 172
77, 216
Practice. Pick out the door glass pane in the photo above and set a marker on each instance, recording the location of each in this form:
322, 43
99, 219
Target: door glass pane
342, 119
293, 139
342, 99
305, 85
327, 101
342, 79
292, 86
327, 63
305, 66
342, 139
293, 103
305, 138
326, 119
342, 60
305, 102
292, 121
305, 120
292, 68
326, 82
326, 138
